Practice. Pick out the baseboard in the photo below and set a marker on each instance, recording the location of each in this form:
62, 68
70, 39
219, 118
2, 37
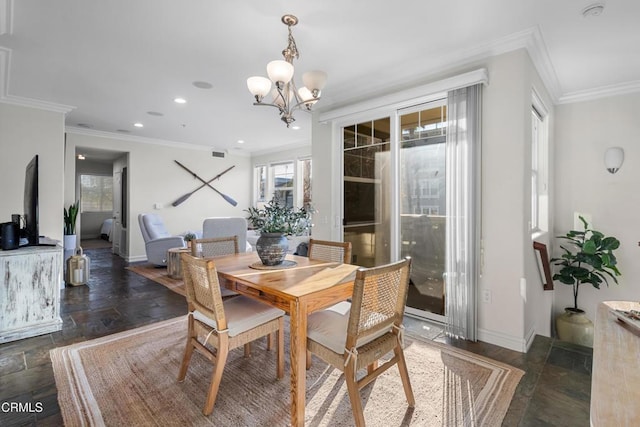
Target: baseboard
503, 340
136, 258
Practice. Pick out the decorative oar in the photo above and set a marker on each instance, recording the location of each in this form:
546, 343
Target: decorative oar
205, 184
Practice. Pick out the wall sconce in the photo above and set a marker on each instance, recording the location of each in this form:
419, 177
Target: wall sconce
613, 158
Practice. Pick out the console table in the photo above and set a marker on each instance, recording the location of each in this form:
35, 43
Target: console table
30, 280
615, 390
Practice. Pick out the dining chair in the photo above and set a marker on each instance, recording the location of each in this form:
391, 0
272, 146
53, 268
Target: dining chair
225, 325
352, 336
331, 251
214, 247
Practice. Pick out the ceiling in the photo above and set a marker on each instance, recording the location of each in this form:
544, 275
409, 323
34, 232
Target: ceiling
116, 61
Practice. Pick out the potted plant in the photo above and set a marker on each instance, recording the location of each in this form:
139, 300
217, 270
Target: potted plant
70, 217
275, 222
589, 259
188, 237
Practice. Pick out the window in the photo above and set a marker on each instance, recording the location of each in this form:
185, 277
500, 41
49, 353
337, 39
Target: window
288, 181
260, 183
539, 193
96, 193
283, 176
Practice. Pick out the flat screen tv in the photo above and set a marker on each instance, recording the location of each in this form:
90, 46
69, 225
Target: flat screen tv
31, 203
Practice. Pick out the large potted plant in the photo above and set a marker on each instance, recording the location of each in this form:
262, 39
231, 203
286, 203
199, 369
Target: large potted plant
70, 217
275, 221
589, 258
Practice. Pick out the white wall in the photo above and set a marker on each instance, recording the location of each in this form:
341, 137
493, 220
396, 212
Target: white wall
154, 178
583, 132
25, 132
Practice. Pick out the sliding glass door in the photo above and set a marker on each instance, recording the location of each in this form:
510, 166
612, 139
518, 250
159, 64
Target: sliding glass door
366, 191
394, 198
422, 203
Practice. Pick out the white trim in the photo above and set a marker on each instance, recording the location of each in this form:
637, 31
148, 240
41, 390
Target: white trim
5, 98
36, 103
136, 258
286, 147
542, 62
406, 98
145, 140
503, 340
600, 92
6, 17
529, 337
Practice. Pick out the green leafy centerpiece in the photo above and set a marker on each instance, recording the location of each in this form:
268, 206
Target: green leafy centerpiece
275, 221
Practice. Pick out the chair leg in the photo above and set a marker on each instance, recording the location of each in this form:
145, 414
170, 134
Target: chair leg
404, 375
247, 350
308, 360
188, 351
354, 394
216, 377
372, 367
280, 351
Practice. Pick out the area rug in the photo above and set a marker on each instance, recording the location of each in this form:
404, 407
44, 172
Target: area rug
159, 275
129, 378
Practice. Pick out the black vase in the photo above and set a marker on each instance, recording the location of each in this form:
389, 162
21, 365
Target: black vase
272, 248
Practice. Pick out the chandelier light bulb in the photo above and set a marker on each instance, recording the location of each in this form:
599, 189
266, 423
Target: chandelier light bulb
280, 72
259, 86
314, 81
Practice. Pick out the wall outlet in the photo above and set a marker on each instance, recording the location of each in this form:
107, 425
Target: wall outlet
486, 296
157, 206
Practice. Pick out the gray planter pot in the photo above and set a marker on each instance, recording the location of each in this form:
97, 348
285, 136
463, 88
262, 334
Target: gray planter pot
272, 248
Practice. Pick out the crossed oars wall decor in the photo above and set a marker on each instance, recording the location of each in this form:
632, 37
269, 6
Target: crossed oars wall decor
184, 197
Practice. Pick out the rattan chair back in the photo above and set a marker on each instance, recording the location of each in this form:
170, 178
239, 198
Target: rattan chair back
326, 250
202, 288
379, 297
215, 246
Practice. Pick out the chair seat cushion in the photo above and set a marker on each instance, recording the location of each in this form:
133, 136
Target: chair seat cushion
242, 314
328, 328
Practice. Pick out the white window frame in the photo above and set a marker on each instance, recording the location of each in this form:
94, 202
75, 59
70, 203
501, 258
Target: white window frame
539, 166
298, 185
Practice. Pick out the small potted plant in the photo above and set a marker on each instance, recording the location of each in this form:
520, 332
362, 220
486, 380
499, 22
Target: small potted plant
275, 222
589, 259
188, 237
70, 218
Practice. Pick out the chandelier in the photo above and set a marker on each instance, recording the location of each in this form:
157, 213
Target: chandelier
286, 98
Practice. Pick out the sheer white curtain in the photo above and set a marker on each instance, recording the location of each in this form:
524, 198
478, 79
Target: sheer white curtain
463, 155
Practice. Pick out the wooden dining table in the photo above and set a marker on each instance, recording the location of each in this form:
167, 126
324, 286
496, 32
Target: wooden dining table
306, 286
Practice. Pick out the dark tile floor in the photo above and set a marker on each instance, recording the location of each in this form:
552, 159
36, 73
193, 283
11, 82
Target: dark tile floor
555, 390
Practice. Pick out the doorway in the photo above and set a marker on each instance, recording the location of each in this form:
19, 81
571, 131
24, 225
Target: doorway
394, 198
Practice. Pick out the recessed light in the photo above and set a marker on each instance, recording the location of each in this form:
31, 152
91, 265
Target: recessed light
295, 127
155, 113
202, 85
180, 101
138, 125
81, 157
240, 141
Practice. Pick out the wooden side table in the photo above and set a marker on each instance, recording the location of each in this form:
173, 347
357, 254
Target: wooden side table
174, 268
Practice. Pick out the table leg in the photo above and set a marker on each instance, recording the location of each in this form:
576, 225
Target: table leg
298, 343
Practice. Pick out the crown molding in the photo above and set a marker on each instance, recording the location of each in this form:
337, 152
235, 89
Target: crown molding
151, 141
6, 17
5, 98
600, 92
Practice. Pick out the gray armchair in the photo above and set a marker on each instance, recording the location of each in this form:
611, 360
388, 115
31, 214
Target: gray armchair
227, 226
157, 239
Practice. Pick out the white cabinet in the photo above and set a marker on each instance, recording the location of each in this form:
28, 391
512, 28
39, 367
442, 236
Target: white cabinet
30, 280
